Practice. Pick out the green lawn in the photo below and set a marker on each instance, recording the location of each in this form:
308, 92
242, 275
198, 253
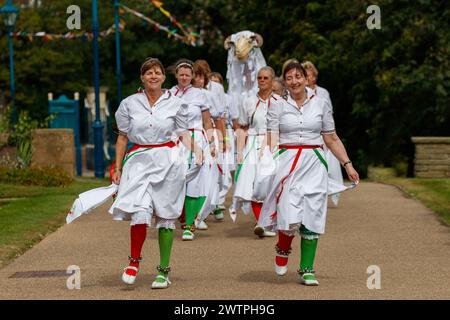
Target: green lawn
433, 193
29, 213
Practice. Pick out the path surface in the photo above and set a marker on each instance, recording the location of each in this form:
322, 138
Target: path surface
374, 224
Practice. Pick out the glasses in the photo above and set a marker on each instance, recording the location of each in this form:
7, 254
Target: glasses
263, 78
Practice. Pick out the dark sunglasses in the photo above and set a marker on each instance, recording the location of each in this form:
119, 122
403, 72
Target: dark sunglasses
263, 78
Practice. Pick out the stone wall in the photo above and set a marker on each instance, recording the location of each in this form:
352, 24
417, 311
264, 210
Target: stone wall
432, 157
54, 148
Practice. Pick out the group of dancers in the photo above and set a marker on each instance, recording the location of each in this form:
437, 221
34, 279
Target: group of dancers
194, 143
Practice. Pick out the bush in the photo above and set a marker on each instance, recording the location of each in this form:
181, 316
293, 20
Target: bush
400, 166
361, 164
46, 177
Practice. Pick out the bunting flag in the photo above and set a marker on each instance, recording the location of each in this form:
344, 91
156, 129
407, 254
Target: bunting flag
191, 37
171, 33
66, 36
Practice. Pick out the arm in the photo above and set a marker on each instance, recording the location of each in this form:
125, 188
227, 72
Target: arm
336, 146
222, 133
207, 125
191, 145
241, 135
273, 125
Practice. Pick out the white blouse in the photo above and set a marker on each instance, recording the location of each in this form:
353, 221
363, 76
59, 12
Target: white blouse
322, 93
254, 111
145, 125
196, 100
301, 126
231, 109
216, 96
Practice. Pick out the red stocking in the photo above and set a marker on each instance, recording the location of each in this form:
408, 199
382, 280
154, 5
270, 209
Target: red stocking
284, 245
256, 207
182, 218
138, 233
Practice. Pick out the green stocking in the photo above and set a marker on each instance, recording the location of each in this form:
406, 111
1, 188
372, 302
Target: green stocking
165, 237
190, 205
308, 249
199, 204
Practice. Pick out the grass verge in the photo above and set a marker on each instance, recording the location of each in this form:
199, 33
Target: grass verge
433, 193
29, 213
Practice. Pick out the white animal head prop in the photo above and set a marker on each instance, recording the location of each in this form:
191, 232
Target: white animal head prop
243, 43
244, 60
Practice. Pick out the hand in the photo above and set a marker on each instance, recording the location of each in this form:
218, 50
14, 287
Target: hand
240, 156
261, 153
351, 172
212, 149
116, 177
198, 156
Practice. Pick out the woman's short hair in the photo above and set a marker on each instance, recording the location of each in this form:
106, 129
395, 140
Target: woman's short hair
150, 63
184, 63
217, 75
268, 69
308, 65
201, 68
286, 63
294, 65
282, 84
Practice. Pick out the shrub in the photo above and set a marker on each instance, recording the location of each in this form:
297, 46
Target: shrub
400, 166
46, 177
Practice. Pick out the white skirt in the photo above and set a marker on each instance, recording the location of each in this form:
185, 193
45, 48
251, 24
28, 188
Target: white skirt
153, 182
334, 172
299, 197
245, 174
197, 185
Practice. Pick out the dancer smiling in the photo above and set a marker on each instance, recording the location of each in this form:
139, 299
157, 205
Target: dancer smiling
199, 120
297, 201
253, 120
151, 173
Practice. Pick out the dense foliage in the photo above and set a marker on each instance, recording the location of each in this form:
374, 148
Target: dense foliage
386, 85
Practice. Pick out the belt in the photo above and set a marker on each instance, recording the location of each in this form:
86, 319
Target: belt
169, 144
283, 146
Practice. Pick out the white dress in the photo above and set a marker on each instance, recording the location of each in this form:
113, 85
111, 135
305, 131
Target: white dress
197, 103
153, 181
298, 194
253, 114
216, 99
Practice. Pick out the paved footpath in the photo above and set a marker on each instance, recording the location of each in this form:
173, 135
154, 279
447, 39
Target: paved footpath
375, 224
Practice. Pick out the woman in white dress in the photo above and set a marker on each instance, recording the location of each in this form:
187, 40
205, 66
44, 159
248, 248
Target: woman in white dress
199, 120
216, 97
152, 175
297, 201
252, 119
229, 159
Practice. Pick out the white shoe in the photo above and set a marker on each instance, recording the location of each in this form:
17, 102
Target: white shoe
201, 225
281, 271
268, 233
187, 235
161, 285
129, 279
309, 279
218, 214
